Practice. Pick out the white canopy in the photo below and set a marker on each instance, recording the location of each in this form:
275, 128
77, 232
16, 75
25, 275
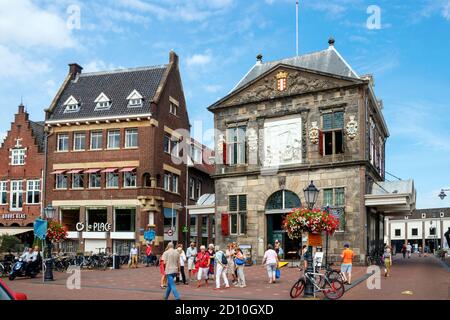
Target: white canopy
14, 231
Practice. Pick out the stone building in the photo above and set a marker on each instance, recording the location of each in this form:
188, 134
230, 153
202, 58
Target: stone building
113, 138
21, 172
293, 121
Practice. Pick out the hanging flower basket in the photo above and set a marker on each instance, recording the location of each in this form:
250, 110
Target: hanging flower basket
302, 220
56, 232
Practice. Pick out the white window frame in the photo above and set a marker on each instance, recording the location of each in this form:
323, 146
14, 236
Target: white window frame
173, 109
58, 183
18, 157
109, 179
113, 134
102, 102
92, 178
175, 182
78, 137
129, 176
65, 138
3, 192
130, 135
192, 188
81, 175
33, 187
240, 144
16, 194
135, 99
198, 189
167, 181
96, 134
238, 214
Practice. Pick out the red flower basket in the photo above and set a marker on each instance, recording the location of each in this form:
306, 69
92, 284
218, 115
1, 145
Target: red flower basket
302, 220
56, 232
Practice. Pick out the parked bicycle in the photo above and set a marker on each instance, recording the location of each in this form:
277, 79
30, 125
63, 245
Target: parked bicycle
331, 287
374, 258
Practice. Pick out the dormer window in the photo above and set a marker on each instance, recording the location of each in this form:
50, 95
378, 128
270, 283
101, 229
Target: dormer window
102, 102
71, 105
134, 99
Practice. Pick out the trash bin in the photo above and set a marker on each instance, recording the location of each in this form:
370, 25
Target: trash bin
116, 261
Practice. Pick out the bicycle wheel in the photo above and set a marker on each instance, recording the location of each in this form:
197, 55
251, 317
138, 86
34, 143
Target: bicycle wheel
333, 289
335, 275
297, 288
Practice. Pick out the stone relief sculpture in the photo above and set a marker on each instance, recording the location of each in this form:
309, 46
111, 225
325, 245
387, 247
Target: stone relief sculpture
252, 138
314, 133
220, 143
352, 128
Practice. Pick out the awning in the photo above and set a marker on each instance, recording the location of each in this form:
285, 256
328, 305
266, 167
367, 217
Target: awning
58, 172
168, 213
128, 169
14, 231
109, 170
74, 171
92, 170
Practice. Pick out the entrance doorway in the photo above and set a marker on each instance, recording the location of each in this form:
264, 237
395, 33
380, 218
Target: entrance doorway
277, 206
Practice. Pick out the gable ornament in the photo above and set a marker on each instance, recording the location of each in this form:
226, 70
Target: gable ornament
314, 133
352, 128
282, 80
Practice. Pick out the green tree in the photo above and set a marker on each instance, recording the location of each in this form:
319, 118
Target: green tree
10, 243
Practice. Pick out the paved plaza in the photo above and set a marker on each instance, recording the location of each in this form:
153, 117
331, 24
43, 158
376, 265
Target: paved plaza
416, 278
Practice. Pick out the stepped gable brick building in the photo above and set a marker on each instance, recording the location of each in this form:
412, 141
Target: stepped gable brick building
21, 171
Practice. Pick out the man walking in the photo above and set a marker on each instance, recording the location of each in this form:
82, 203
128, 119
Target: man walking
171, 258
191, 253
408, 250
347, 262
221, 268
148, 254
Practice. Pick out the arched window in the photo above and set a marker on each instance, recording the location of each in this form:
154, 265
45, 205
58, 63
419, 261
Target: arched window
30, 225
2, 225
283, 200
15, 225
146, 180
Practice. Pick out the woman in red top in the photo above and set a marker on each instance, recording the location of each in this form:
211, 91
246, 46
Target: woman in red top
203, 261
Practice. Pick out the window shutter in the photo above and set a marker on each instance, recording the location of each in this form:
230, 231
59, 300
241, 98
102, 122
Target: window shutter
224, 153
321, 143
225, 224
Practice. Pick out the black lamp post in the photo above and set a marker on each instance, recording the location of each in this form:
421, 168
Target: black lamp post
442, 194
49, 213
311, 193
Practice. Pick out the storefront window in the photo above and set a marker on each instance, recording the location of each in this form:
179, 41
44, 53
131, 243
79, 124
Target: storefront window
125, 220
193, 226
205, 226
97, 216
70, 218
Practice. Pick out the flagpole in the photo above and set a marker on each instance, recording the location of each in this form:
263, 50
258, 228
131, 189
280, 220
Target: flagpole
296, 26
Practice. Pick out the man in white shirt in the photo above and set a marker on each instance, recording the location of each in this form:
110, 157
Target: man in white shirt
134, 256
191, 253
29, 257
408, 250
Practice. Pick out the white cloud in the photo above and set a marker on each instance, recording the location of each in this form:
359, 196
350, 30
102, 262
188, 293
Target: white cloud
26, 25
199, 59
16, 65
212, 88
446, 11
99, 65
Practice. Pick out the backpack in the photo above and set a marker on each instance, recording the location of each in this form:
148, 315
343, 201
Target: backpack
223, 259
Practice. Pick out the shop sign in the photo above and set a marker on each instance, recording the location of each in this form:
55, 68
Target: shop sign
314, 239
14, 216
95, 227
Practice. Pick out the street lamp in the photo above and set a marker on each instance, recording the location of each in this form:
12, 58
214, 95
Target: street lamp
442, 194
311, 193
49, 214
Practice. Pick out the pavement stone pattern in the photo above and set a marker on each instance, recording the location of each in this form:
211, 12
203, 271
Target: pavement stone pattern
425, 277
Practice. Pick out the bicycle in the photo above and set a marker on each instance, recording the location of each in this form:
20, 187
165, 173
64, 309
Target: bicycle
5, 268
374, 258
332, 288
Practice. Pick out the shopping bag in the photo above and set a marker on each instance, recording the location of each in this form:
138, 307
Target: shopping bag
278, 273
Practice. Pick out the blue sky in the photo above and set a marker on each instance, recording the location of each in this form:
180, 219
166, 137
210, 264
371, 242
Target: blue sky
218, 40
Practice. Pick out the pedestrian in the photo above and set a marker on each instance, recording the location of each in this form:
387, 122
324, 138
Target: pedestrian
191, 253
420, 251
221, 268
203, 262
162, 271
240, 263
148, 254
211, 253
171, 259
404, 250
408, 250
231, 266
182, 263
347, 261
278, 249
271, 261
134, 257
387, 256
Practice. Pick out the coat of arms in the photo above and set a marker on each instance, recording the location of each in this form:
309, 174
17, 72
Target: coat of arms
282, 80
314, 133
352, 128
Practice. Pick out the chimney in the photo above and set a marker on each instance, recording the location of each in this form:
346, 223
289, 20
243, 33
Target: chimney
259, 58
331, 42
21, 108
74, 70
173, 57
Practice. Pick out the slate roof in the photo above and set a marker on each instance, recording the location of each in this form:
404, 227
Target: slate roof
117, 85
329, 61
38, 132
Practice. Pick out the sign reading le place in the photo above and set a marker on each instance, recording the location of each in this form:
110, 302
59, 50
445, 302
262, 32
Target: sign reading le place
95, 227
